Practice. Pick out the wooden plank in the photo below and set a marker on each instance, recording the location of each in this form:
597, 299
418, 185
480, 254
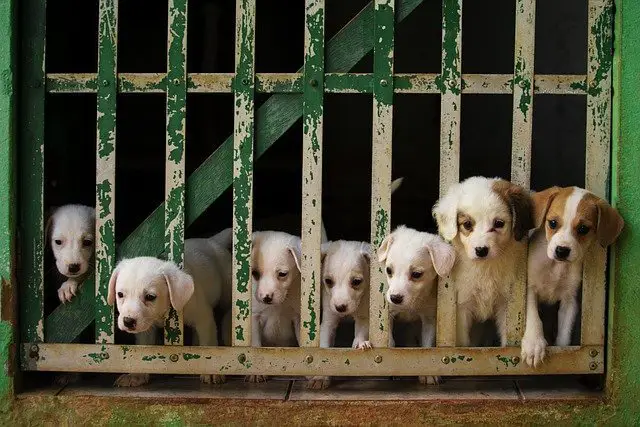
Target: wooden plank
597, 162
33, 240
273, 119
490, 361
175, 152
450, 85
312, 118
106, 165
383, 34
243, 143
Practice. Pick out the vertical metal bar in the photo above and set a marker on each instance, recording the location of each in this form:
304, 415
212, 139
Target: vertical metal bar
521, 148
450, 85
243, 141
106, 165
312, 109
383, 35
33, 241
597, 161
175, 151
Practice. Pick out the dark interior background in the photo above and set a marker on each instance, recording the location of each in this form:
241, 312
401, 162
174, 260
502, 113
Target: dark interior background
488, 43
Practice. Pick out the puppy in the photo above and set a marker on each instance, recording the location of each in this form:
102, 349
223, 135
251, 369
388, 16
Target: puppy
487, 220
71, 230
275, 273
145, 288
345, 294
413, 261
569, 221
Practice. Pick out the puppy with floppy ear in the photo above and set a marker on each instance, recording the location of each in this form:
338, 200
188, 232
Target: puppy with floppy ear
487, 221
413, 261
569, 222
145, 288
71, 232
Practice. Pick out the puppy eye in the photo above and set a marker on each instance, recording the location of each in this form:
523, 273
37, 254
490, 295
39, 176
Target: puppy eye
86, 243
58, 242
498, 223
282, 274
149, 297
416, 274
255, 274
389, 271
328, 282
356, 282
553, 224
120, 295
467, 225
582, 229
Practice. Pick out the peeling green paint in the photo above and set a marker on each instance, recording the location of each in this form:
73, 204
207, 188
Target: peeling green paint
508, 361
97, 357
311, 325
450, 79
602, 52
524, 83
190, 356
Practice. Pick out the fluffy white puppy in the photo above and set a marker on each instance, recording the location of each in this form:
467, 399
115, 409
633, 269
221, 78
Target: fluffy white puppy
413, 260
569, 220
71, 231
487, 221
145, 288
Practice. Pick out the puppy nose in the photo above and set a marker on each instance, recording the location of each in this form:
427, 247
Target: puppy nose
482, 251
129, 322
73, 268
562, 252
341, 308
396, 299
267, 299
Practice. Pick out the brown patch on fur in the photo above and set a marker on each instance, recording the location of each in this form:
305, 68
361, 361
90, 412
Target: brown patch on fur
521, 206
597, 214
462, 218
542, 202
555, 208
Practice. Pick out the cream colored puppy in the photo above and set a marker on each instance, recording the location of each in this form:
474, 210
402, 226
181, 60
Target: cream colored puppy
145, 288
345, 295
487, 221
71, 230
413, 261
569, 221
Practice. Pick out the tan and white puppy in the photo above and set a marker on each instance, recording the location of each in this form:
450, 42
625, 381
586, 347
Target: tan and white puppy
413, 260
487, 221
71, 230
569, 221
145, 288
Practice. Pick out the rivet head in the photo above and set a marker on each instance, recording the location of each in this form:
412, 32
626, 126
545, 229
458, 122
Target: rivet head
242, 358
593, 353
313, 82
105, 83
173, 357
176, 82
245, 82
383, 83
593, 366
515, 360
104, 355
445, 360
378, 359
34, 348
308, 359
522, 84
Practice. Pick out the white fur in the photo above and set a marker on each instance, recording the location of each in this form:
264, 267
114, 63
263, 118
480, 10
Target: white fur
71, 230
413, 261
204, 284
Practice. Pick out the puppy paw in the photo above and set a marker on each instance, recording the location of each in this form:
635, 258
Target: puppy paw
255, 378
429, 380
67, 291
212, 379
533, 350
362, 345
132, 380
318, 383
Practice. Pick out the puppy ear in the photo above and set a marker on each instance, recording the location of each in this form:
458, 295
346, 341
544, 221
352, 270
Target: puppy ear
324, 249
443, 256
541, 204
323, 233
295, 247
111, 294
445, 212
47, 228
396, 184
365, 250
520, 203
383, 250
180, 285
610, 224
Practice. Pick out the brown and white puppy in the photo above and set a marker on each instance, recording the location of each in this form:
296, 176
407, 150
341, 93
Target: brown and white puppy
486, 220
569, 221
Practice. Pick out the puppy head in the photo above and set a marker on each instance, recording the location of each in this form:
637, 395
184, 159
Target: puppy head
71, 230
144, 289
412, 261
484, 215
573, 219
345, 274
275, 265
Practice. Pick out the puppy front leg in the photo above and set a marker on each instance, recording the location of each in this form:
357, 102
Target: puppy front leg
361, 333
205, 332
463, 326
147, 337
533, 346
501, 323
256, 341
327, 338
428, 338
566, 318
68, 290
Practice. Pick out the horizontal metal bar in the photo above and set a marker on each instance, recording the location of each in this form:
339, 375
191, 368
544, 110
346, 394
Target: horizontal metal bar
305, 361
551, 84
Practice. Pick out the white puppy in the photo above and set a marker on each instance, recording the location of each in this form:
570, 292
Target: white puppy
487, 221
569, 221
145, 288
71, 230
413, 261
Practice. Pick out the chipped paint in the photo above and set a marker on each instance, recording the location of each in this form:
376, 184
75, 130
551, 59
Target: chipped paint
190, 356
